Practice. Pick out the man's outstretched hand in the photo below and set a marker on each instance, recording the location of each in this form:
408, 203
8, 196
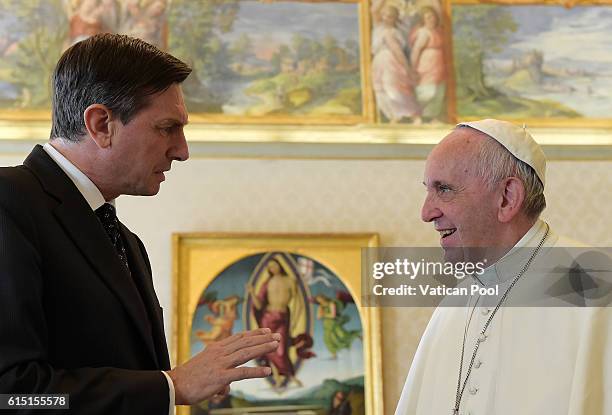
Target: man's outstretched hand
212, 370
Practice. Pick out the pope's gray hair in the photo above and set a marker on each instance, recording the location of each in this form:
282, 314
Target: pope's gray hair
494, 163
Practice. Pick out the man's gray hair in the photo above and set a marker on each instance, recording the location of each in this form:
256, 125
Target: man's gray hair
495, 163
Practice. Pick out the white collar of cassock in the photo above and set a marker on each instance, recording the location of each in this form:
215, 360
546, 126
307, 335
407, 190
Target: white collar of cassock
510, 264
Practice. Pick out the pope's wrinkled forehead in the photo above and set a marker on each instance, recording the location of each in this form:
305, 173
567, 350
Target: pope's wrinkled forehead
456, 154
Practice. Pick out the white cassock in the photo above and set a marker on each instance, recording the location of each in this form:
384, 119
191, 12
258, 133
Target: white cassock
534, 361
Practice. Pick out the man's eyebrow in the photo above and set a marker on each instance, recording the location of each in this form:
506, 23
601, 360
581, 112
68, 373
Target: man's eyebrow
173, 121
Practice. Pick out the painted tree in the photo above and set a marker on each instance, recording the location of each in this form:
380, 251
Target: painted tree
241, 49
36, 31
477, 31
352, 47
300, 46
330, 46
196, 29
282, 53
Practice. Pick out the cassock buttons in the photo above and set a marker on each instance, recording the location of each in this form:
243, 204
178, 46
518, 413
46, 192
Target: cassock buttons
482, 338
477, 364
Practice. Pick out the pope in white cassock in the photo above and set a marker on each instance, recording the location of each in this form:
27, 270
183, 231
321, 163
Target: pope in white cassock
485, 184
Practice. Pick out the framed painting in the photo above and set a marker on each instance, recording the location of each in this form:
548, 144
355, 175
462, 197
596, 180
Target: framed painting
542, 63
287, 62
411, 66
306, 287
291, 62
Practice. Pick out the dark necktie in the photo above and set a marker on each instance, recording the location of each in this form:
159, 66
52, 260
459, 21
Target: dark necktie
108, 217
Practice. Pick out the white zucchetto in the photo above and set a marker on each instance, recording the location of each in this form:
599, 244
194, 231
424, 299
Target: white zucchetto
516, 140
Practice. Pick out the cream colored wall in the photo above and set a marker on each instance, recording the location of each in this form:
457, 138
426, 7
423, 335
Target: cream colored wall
338, 196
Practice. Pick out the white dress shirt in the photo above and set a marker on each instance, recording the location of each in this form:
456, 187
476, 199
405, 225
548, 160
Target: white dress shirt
95, 199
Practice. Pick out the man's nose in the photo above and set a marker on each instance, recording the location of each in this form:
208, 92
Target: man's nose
430, 211
180, 151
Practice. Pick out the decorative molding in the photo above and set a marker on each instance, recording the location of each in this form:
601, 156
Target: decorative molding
330, 142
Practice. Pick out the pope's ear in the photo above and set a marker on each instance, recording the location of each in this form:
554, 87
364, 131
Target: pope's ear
98, 122
513, 196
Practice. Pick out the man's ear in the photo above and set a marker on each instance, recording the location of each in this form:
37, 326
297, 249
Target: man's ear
512, 198
98, 122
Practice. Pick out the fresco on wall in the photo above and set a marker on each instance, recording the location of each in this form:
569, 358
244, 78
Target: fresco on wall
294, 60
315, 62
409, 67
320, 361
34, 33
261, 59
533, 62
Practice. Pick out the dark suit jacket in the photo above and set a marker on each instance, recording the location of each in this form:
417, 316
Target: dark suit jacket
72, 319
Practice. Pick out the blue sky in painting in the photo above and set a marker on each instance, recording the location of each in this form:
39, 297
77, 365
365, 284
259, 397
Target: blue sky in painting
14, 27
280, 21
579, 35
576, 41
348, 364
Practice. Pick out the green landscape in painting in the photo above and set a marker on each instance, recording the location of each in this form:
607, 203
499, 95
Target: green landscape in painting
257, 59
250, 58
534, 62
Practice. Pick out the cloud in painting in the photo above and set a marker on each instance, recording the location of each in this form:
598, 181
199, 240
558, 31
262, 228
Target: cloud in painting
580, 34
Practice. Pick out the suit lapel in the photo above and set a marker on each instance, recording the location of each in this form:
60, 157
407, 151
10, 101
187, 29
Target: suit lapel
83, 227
142, 278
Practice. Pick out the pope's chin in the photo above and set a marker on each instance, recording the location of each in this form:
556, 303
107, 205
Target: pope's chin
453, 254
456, 254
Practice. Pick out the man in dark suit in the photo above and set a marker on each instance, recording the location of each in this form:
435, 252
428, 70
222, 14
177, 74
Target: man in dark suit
78, 312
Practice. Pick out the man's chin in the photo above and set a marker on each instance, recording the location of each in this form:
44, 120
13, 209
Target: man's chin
453, 254
154, 187
151, 190
456, 254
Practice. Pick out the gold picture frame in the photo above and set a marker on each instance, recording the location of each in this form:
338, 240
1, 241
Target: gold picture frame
201, 260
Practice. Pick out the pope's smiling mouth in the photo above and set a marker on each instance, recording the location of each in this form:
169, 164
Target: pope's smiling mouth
444, 233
